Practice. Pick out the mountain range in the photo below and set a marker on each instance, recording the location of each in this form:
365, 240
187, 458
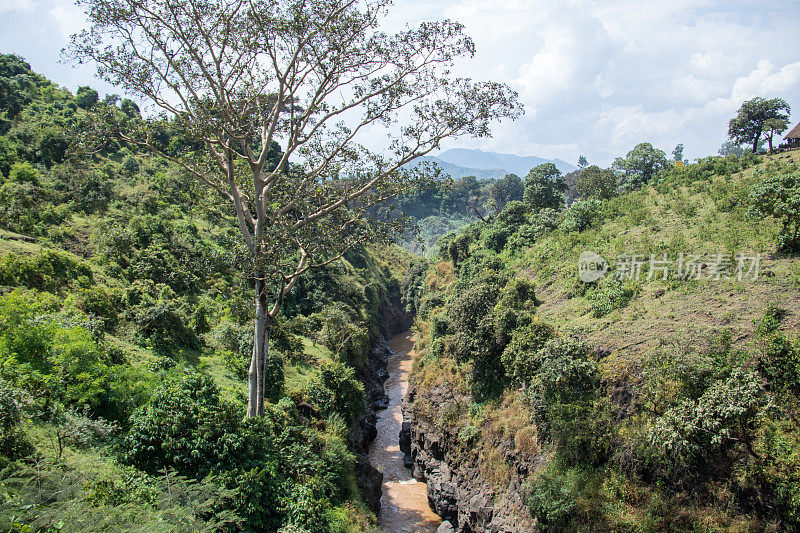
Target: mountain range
461, 162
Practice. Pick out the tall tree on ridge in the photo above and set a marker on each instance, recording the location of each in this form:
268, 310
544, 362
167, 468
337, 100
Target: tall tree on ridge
756, 116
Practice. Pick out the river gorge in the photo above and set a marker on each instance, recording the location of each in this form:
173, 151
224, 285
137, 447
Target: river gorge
404, 501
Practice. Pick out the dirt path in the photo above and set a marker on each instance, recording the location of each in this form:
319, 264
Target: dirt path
404, 503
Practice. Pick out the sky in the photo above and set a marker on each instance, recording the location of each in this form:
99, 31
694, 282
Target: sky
596, 78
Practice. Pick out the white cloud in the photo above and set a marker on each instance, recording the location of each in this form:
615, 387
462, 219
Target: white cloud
68, 18
17, 6
596, 76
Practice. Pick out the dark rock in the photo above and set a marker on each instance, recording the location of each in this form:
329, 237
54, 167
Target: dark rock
369, 480
456, 488
442, 499
408, 461
405, 438
381, 403
394, 319
383, 374
659, 293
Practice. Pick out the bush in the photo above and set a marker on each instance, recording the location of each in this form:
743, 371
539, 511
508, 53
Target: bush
472, 320
495, 238
99, 301
349, 341
185, 426
13, 442
54, 358
520, 358
614, 295
581, 215
49, 270
282, 472
701, 432
513, 214
335, 390
567, 405
779, 197
458, 248
130, 165
161, 321
79, 367
24, 173
551, 497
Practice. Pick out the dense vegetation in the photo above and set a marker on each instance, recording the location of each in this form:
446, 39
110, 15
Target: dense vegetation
647, 403
125, 336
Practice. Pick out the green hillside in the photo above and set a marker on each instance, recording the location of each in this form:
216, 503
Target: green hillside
126, 335
623, 403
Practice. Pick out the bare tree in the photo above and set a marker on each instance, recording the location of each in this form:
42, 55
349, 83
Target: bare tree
237, 76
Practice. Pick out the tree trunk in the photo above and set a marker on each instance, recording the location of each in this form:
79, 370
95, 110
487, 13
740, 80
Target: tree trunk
255, 376
770, 141
755, 141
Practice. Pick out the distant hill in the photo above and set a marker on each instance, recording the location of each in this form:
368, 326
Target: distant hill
461, 162
458, 171
516, 164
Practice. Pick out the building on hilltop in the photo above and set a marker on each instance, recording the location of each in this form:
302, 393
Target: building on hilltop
793, 137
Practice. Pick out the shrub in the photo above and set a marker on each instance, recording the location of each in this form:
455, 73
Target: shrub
779, 197
49, 270
13, 442
79, 367
24, 173
339, 334
50, 357
524, 237
613, 295
458, 248
86, 97
92, 191
567, 406
495, 238
700, 432
130, 165
185, 426
581, 215
513, 214
164, 325
551, 497
520, 358
101, 302
471, 318
335, 390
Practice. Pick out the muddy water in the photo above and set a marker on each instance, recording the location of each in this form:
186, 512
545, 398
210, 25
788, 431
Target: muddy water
404, 503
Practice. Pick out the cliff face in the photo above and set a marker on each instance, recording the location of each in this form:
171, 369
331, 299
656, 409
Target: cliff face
458, 490
393, 319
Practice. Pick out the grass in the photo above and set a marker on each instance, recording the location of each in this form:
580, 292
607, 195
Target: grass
703, 216
688, 218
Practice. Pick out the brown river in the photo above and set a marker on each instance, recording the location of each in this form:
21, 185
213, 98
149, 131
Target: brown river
404, 502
